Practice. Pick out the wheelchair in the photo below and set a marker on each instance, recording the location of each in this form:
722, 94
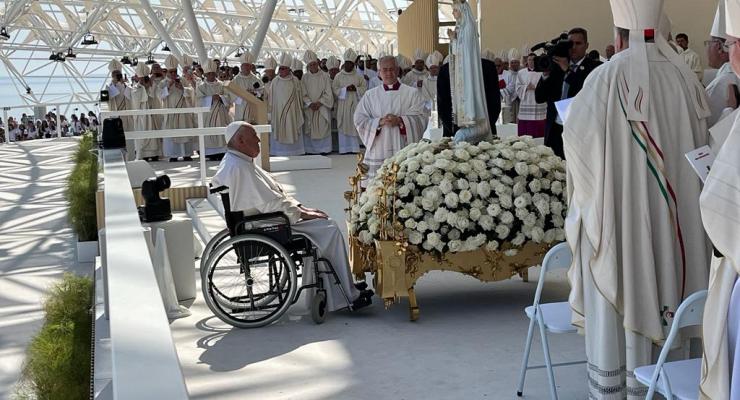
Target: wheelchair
249, 271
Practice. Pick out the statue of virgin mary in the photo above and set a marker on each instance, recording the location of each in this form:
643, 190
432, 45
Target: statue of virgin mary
469, 107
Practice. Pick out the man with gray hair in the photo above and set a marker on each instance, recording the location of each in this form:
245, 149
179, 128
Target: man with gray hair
254, 191
389, 117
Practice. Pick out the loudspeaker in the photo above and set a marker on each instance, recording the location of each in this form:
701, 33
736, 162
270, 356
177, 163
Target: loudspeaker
113, 135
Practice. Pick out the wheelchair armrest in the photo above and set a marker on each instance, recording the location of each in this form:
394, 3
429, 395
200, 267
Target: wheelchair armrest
273, 215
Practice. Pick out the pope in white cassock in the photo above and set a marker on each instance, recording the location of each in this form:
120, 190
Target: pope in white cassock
147, 149
254, 191
389, 117
247, 81
212, 93
348, 88
318, 99
176, 95
633, 220
286, 99
415, 78
720, 211
720, 89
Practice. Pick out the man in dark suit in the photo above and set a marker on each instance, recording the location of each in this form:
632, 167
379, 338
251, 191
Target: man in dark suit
563, 81
444, 98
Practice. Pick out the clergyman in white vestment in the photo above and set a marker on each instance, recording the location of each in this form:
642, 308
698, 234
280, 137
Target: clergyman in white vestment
633, 216
318, 99
348, 88
175, 93
148, 149
389, 117
254, 191
720, 211
720, 89
286, 99
212, 93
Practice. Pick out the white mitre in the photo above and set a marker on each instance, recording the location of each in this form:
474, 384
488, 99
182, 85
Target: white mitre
488, 55
514, 54
187, 61
504, 56
403, 62
419, 54
309, 56
246, 58
719, 27
115, 65
142, 70
333, 62
350, 55
170, 62
434, 59
211, 66
270, 63
732, 18
286, 60
643, 17
296, 65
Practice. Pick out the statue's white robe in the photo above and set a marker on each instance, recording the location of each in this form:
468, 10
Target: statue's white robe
633, 219
380, 144
317, 124
286, 99
347, 102
254, 191
720, 210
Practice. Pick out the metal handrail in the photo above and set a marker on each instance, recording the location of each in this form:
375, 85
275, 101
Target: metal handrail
143, 355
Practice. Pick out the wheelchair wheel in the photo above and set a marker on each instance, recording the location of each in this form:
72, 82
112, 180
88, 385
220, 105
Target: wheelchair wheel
318, 307
215, 241
249, 281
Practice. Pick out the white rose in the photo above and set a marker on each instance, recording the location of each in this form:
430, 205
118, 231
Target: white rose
511, 252
484, 189
434, 238
499, 162
451, 199
506, 201
518, 188
446, 154
428, 204
427, 157
422, 226
440, 215
560, 235
534, 170
518, 239
445, 186
521, 213
415, 237
452, 218
442, 164
475, 214
535, 186
463, 168
427, 246
462, 184
410, 223
556, 207
556, 187
522, 156
519, 145
543, 206
485, 146
423, 180
557, 221
502, 231
508, 154
465, 196
492, 246
493, 210
530, 220
486, 222
454, 234
436, 178
462, 154
478, 165
403, 191
428, 169
404, 214
538, 234
463, 223
455, 246
374, 228
366, 237
507, 217
413, 165
520, 202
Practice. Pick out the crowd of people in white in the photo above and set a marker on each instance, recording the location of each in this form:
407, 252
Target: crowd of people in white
26, 128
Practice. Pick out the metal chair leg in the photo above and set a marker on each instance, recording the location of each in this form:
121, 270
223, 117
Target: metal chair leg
548, 362
525, 359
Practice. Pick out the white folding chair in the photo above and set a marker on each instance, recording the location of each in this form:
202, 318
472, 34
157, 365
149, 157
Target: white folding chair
550, 317
676, 379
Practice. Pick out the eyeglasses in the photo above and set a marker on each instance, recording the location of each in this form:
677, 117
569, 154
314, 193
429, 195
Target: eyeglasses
728, 44
712, 41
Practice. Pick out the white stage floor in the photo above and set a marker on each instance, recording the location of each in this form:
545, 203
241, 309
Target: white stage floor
466, 345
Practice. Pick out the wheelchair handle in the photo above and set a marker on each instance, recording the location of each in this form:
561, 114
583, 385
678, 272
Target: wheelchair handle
219, 189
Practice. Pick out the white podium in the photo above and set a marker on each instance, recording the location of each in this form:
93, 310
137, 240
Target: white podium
178, 233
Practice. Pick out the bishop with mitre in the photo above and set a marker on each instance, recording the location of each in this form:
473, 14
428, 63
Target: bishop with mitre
248, 82
348, 88
212, 93
286, 100
318, 99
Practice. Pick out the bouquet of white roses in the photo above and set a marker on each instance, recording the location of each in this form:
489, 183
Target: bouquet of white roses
455, 197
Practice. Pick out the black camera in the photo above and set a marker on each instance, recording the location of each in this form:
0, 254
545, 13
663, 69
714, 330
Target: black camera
557, 47
256, 85
155, 208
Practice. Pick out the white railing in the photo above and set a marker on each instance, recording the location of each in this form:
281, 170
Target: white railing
200, 132
143, 355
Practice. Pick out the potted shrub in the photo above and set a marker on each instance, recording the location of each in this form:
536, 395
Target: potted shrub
82, 184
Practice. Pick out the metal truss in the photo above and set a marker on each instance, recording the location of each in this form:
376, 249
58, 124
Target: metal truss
39, 28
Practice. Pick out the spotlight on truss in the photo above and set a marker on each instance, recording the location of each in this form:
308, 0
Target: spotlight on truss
238, 53
71, 53
4, 34
165, 48
88, 39
135, 61
150, 59
125, 60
